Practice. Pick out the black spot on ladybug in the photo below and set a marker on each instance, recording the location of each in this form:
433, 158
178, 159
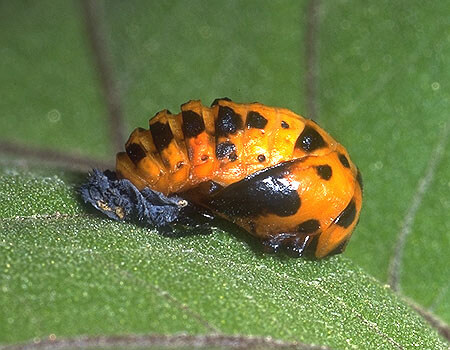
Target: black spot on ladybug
264, 192
308, 226
224, 149
324, 171
347, 216
284, 125
343, 159
162, 135
255, 120
135, 152
228, 122
310, 140
193, 124
217, 100
360, 180
261, 158
180, 165
339, 249
233, 156
204, 158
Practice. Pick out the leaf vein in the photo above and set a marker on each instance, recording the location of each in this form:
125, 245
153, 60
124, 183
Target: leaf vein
408, 220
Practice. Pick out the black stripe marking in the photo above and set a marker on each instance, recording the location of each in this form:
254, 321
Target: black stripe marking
135, 152
347, 216
255, 120
339, 249
225, 149
308, 226
311, 247
360, 180
214, 187
344, 161
193, 124
217, 100
228, 122
162, 135
310, 140
261, 193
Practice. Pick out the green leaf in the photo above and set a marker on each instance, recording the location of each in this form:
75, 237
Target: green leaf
379, 78
237, 49
66, 272
383, 74
48, 80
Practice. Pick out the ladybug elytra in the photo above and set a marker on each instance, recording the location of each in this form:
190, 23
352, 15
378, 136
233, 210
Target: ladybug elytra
272, 172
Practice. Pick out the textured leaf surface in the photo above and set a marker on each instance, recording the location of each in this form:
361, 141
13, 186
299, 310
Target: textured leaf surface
48, 82
381, 73
68, 272
203, 52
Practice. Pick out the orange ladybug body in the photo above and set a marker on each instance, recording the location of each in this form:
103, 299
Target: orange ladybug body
272, 172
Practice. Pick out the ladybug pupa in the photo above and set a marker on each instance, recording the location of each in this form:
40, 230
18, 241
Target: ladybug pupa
275, 174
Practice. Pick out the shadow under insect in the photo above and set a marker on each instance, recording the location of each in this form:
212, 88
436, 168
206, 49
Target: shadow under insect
173, 216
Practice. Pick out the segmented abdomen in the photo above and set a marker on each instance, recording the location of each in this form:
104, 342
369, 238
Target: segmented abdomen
223, 143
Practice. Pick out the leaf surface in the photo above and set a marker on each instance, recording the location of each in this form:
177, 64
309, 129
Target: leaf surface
68, 272
379, 76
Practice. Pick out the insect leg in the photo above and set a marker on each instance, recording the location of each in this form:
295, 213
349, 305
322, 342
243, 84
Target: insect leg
292, 244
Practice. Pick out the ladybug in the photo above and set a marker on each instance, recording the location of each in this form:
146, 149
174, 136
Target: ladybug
272, 172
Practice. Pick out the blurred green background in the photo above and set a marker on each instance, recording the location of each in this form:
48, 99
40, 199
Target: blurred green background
380, 85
